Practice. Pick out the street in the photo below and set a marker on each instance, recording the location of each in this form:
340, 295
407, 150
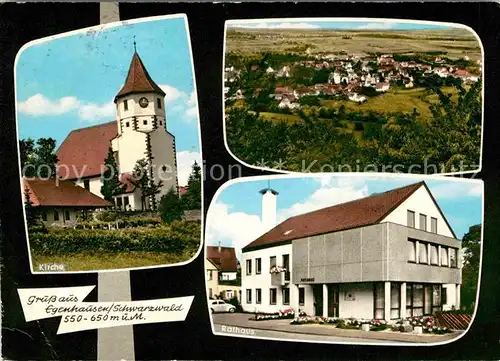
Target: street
238, 324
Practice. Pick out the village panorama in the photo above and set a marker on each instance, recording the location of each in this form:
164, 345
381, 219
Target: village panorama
353, 97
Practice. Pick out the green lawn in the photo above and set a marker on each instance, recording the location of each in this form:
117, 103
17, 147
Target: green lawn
108, 260
277, 117
395, 100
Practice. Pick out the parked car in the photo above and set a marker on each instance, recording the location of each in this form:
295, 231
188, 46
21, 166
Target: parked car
221, 306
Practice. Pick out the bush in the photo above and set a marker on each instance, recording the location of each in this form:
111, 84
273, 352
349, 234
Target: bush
107, 216
176, 239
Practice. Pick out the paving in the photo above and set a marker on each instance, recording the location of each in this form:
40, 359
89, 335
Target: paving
283, 329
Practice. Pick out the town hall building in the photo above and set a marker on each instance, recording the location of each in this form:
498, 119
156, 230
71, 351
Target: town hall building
387, 256
138, 132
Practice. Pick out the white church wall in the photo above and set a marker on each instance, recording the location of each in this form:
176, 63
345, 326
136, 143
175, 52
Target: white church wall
163, 152
94, 185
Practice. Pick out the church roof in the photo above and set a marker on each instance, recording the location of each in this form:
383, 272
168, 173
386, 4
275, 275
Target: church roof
61, 193
138, 80
84, 150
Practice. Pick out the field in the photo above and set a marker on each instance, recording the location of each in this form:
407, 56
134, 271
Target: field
455, 43
104, 260
394, 100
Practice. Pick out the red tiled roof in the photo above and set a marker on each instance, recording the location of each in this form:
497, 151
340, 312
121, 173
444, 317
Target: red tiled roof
127, 182
138, 80
357, 213
225, 260
83, 152
61, 193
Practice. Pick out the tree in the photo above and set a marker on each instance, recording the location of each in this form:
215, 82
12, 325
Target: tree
143, 180
110, 179
31, 212
471, 246
39, 160
192, 198
170, 208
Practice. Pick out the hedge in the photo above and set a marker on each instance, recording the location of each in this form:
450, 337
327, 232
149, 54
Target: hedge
176, 238
122, 223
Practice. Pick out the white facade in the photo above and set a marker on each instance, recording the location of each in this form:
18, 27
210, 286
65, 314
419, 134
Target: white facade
355, 300
251, 281
419, 202
94, 185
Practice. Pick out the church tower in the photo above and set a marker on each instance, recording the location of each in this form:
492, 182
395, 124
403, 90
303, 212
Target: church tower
142, 130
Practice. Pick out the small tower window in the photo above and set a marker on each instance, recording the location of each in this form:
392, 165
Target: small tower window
164, 168
158, 102
125, 104
127, 124
161, 123
145, 122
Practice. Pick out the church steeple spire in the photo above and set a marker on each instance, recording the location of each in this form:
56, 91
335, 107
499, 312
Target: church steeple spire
138, 79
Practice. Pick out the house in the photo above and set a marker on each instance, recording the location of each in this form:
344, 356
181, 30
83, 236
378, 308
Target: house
222, 269
382, 87
60, 201
287, 102
334, 77
284, 72
139, 132
386, 256
355, 97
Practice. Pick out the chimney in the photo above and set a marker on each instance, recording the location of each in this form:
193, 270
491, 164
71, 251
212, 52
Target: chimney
268, 218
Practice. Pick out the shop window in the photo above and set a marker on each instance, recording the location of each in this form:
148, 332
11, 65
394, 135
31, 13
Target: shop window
379, 300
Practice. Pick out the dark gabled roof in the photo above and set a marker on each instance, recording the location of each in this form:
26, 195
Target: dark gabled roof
138, 80
61, 193
224, 260
357, 213
83, 152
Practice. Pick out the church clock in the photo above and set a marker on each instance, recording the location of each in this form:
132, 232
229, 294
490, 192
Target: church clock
143, 102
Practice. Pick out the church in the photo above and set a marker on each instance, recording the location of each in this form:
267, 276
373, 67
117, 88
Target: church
139, 132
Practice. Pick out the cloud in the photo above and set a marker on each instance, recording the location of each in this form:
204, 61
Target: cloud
91, 112
39, 105
376, 26
277, 26
451, 190
172, 93
237, 229
179, 103
234, 229
185, 160
330, 193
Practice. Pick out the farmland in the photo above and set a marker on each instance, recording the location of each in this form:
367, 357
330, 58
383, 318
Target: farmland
454, 42
357, 97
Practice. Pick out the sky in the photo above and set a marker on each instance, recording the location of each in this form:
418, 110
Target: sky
70, 82
234, 216
341, 25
